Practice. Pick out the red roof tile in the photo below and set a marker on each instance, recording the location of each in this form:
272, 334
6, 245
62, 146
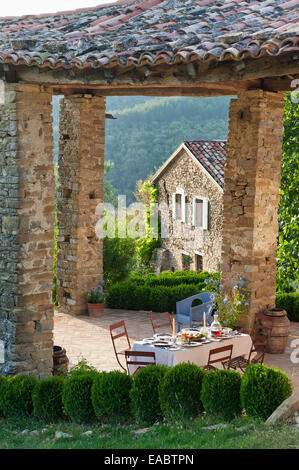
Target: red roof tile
211, 154
142, 32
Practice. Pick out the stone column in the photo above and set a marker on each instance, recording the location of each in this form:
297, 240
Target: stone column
251, 197
26, 242
81, 176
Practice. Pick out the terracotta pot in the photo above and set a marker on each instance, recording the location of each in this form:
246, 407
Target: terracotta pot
95, 310
60, 360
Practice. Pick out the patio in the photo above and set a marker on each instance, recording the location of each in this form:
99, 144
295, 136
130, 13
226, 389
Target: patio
88, 337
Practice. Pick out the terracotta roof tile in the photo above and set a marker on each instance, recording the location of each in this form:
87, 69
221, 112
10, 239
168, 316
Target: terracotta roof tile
152, 31
211, 154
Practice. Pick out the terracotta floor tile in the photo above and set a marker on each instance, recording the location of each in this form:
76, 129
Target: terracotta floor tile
89, 338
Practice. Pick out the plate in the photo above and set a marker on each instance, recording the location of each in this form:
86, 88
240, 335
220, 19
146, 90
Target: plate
162, 336
190, 330
191, 345
162, 345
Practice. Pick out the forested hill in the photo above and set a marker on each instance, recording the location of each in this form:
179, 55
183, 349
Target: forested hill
148, 130
146, 134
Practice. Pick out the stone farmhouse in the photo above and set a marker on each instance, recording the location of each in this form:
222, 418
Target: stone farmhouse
190, 193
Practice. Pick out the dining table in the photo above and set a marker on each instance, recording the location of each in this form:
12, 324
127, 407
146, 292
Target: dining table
171, 354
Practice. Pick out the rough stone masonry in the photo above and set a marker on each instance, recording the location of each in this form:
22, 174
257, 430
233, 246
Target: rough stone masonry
251, 197
81, 176
26, 240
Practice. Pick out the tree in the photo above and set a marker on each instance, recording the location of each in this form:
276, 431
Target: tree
288, 237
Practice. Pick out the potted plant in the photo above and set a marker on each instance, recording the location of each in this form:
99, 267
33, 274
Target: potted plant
95, 300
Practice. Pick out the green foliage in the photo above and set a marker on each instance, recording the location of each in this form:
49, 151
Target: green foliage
2, 382
47, 399
118, 259
111, 396
220, 393
288, 238
263, 389
145, 394
231, 308
16, 395
96, 295
109, 190
179, 392
76, 396
158, 293
289, 303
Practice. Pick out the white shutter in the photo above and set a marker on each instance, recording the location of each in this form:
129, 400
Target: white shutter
194, 212
205, 214
174, 205
183, 207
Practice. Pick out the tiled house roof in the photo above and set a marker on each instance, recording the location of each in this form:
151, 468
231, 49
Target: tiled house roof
140, 32
211, 154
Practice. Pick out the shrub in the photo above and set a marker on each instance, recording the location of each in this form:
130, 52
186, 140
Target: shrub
220, 393
263, 389
120, 295
16, 395
47, 399
179, 392
111, 396
2, 381
145, 394
76, 397
290, 303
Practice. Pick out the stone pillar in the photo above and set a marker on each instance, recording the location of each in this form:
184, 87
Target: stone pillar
26, 217
81, 176
251, 197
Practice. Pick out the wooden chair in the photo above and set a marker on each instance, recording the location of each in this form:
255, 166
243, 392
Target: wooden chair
132, 359
122, 332
225, 360
261, 334
160, 320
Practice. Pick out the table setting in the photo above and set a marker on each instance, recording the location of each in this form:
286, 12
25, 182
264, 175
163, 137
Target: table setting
193, 344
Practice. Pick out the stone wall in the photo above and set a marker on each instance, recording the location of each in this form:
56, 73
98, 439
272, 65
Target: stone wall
26, 242
251, 197
81, 175
185, 173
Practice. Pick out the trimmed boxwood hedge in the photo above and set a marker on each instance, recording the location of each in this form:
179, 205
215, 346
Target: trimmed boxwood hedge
290, 303
263, 389
16, 395
144, 394
110, 396
158, 293
47, 399
179, 392
220, 393
76, 397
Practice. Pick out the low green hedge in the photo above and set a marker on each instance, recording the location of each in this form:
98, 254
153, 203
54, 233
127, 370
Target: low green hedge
144, 394
16, 395
179, 392
290, 303
130, 296
47, 399
220, 393
76, 397
110, 396
263, 389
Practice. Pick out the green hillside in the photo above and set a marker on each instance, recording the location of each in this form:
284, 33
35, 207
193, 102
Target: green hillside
148, 130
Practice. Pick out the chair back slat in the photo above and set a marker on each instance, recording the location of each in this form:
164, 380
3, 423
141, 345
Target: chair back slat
217, 351
114, 336
136, 362
160, 320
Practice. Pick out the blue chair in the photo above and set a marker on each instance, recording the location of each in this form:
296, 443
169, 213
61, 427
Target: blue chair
186, 314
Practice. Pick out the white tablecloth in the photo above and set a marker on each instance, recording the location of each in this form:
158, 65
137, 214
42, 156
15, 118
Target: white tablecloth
198, 355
